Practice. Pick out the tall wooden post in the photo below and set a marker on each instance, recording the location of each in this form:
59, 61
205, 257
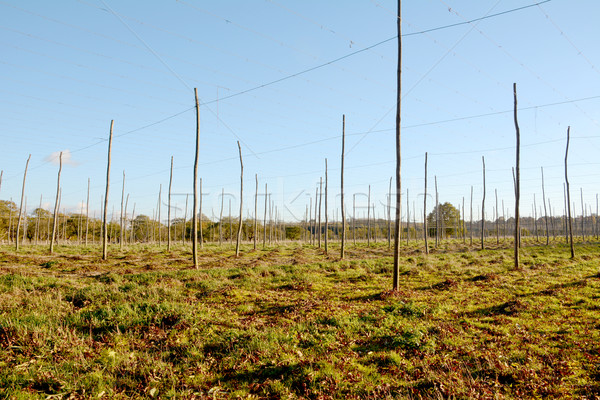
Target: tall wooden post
169, 208
437, 212
517, 180
326, 207
122, 222
21, 206
569, 195
425, 233
407, 218
342, 188
255, 211
221, 217
545, 209
354, 219
483, 207
55, 220
104, 221
239, 232
369, 217
195, 203
582, 217
320, 202
396, 273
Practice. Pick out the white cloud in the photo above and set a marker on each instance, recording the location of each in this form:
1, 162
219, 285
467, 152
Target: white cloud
66, 158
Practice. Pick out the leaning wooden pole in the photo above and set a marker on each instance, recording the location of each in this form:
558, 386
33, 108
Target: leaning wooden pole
320, 203
122, 222
483, 207
239, 232
54, 219
21, 206
517, 180
396, 273
582, 217
195, 202
369, 217
545, 209
437, 212
105, 215
255, 211
569, 196
326, 213
169, 208
425, 210
342, 188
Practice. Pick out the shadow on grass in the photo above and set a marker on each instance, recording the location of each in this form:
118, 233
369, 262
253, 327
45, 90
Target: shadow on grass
508, 308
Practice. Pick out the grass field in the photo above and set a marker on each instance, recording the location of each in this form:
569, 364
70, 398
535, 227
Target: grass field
292, 322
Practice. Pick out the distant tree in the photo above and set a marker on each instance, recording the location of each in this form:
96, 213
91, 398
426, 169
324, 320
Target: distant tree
293, 232
448, 215
7, 208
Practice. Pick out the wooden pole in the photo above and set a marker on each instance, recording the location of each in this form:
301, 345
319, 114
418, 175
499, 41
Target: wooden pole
537, 239
195, 202
320, 200
483, 207
464, 234
104, 222
21, 206
169, 208
545, 209
124, 228
425, 210
354, 219
122, 222
437, 213
517, 180
569, 195
343, 248
396, 272
326, 208
407, 218
582, 217
255, 211
221, 217
369, 218
239, 232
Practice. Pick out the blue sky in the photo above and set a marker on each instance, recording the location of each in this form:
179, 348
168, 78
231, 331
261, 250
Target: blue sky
70, 67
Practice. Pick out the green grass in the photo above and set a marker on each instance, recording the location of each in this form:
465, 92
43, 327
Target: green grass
292, 322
